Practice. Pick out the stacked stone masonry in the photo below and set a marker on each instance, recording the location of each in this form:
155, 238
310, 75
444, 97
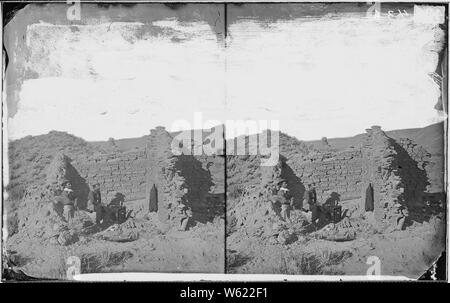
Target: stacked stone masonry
396, 171
339, 172
117, 172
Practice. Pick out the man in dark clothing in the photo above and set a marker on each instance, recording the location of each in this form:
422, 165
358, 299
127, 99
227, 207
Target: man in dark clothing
313, 193
307, 199
95, 202
311, 200
153, 199
369, 202
286, 202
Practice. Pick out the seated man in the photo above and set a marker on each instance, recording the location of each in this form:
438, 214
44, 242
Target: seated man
330, 205
115, 211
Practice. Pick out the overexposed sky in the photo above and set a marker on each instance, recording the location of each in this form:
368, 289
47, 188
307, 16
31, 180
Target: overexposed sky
96, 84
330, 77
333, 77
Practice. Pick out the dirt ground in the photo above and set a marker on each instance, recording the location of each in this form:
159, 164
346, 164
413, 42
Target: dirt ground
409, 252
139, 244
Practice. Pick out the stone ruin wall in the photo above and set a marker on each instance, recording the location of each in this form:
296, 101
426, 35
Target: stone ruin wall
171, 174
163, 173
133, 174
395, 169
116, 172
380, 166
339, 172
249, 205
416, 164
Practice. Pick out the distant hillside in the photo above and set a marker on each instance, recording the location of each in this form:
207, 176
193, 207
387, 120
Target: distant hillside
128, 144
29, 157
430, 137
121, 144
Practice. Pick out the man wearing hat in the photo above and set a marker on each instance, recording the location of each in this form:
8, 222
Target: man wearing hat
69, 202
286, 201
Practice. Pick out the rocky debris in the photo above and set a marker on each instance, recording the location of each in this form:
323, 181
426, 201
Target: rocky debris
38, 220
235, 259
67, 237
12, 224
95, 262
126, 232
54, 240
120, 237
337, 233
347, 229
286, 233
419, 154
345, 223
286, 237
81, 221
63, 235
341, 236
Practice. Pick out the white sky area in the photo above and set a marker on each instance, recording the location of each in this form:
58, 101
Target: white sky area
317, 77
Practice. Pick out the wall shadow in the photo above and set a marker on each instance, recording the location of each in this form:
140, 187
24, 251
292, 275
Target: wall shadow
415, 182
198, 181
79, 185
294, 183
